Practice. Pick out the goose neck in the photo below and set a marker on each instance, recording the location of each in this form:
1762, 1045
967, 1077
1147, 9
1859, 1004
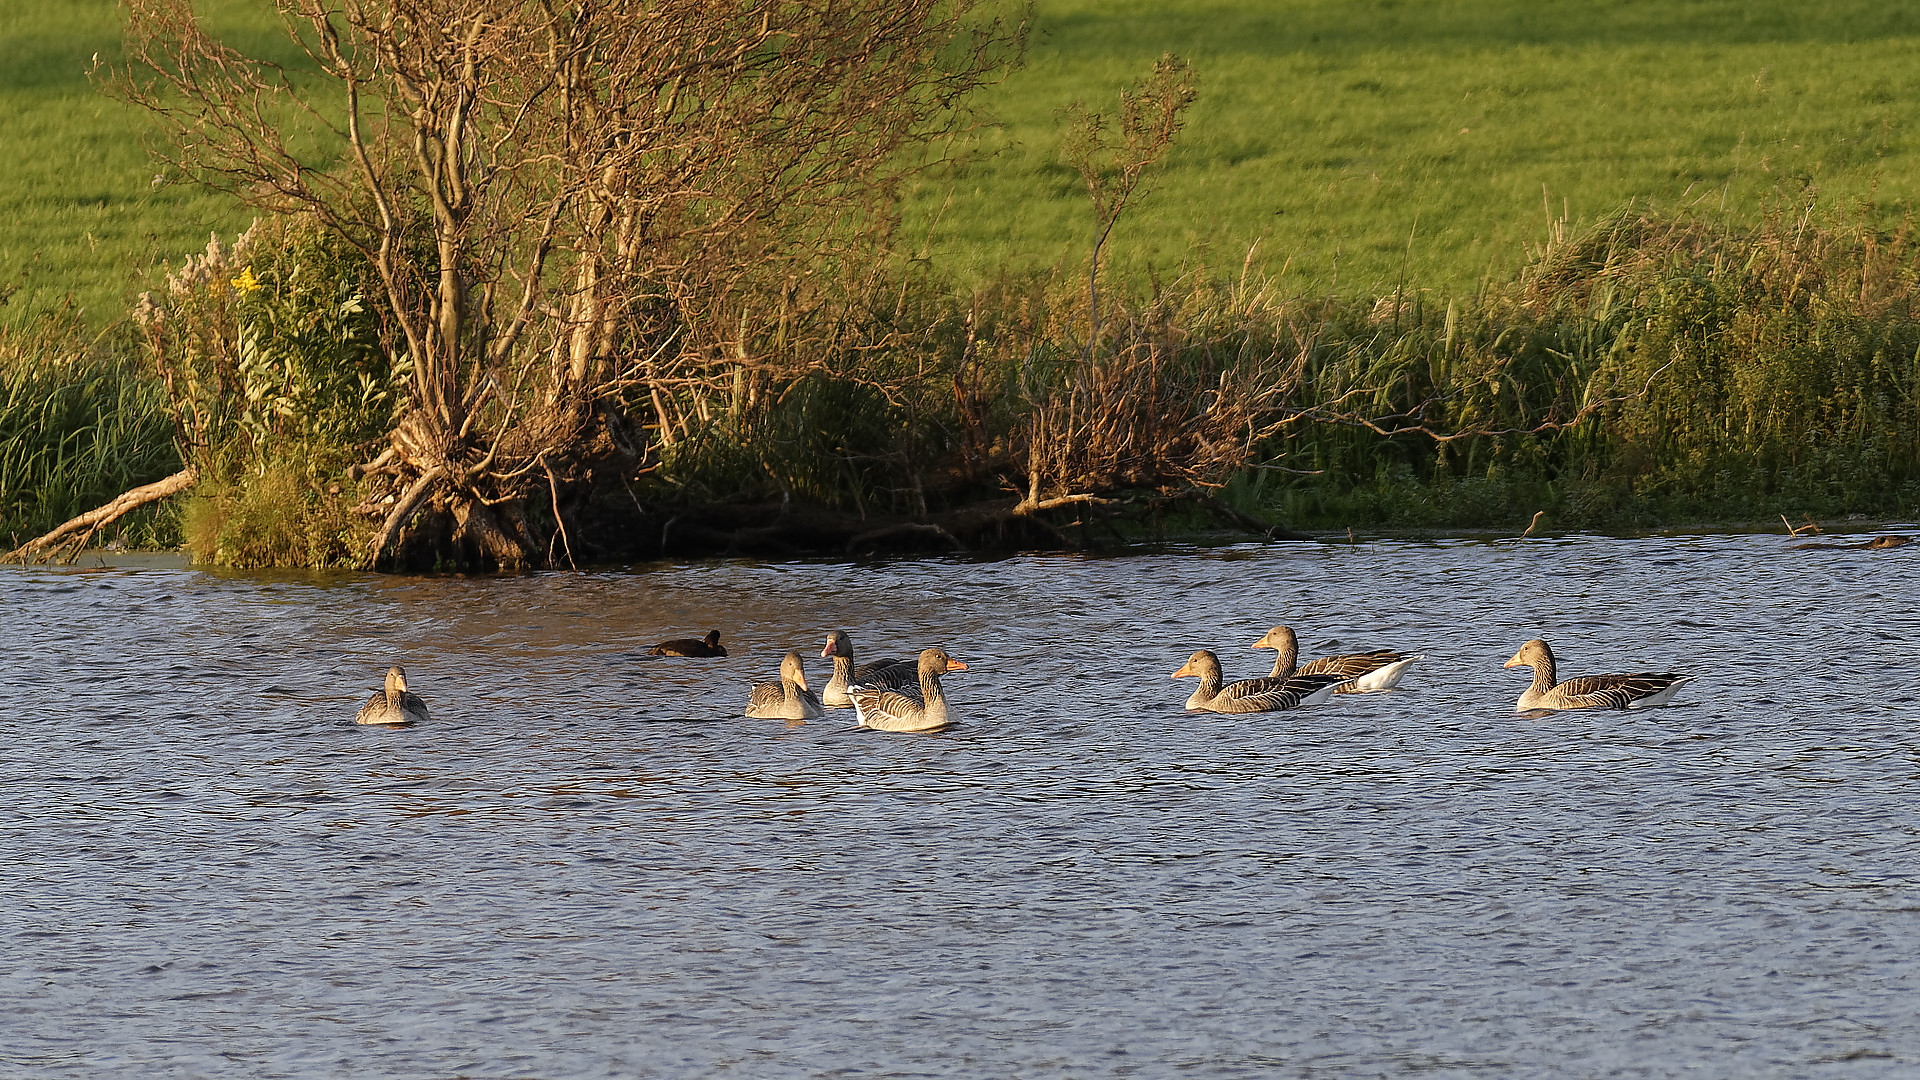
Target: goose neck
1544, 676
930, 686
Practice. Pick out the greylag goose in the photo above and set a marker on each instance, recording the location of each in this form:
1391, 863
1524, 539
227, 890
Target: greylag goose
786, 698
1644, 690
1253, 695
1381, 669
918, 708
708, 646
394, 705
885, 674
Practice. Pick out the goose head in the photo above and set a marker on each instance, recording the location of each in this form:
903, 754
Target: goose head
1533, 654
1201, 664
792, 671
935, 661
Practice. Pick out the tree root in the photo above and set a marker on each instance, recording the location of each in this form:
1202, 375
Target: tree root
402, 509
75, 533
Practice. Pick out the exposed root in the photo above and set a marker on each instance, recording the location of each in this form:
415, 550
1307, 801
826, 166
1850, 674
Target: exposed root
403, 509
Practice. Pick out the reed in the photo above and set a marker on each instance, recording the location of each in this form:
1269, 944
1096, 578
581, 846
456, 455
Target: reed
1647, 370
1738, 372
79, 424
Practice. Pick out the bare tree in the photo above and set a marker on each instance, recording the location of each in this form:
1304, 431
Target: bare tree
1113, 165
567, 203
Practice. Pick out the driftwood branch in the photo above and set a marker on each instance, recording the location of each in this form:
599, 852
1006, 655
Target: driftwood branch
905, 529
1246, 521
77, 531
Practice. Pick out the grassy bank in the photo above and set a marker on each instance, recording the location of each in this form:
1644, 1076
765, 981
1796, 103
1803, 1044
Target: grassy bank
1643, 372
1633, 265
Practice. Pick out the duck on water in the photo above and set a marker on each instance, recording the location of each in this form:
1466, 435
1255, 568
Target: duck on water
1642, 690
913, 708
886, 674
1253, 695
707, 646
393, 705
787, 698
1380, 669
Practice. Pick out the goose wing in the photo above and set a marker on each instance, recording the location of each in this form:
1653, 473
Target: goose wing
890, 674
1639, 690
1351, 665
374, 711
1272, 695
886, 701
766, 695
810, 707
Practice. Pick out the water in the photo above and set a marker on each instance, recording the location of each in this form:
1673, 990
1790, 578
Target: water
588, 864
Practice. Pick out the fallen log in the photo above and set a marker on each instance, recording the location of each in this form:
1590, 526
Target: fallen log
46, 548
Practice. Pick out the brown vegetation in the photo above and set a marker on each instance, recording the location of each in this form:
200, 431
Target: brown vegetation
568, 210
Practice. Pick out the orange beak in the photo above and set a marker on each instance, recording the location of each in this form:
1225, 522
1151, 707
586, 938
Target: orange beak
1183, 672
955, 665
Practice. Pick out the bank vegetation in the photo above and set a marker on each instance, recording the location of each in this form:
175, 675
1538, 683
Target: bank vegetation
564, 285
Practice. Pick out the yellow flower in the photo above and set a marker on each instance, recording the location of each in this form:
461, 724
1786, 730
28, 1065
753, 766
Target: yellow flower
246, 282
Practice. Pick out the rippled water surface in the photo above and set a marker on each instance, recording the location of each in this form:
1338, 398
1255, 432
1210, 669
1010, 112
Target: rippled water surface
588, 864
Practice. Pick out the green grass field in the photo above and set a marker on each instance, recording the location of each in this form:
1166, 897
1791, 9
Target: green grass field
84, 213
1360, 144
1357, 140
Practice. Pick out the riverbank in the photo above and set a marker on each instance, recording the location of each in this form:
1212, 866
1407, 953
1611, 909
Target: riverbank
1647, 373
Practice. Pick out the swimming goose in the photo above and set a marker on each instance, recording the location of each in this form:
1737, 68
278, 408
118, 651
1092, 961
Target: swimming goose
918, 708
1644, 690
785, 698
394, 705
1381, 669
1253, 695
886, 674
710, 646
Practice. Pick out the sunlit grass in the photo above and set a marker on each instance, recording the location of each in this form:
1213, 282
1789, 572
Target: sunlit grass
84, 212
78, 425
1364, 145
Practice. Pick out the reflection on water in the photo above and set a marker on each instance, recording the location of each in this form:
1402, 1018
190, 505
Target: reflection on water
588, 863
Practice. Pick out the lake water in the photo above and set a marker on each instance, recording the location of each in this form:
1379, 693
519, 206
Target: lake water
588, 864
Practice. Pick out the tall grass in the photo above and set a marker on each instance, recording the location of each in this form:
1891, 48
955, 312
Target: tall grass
79, 424
1734, 374
1646, 370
